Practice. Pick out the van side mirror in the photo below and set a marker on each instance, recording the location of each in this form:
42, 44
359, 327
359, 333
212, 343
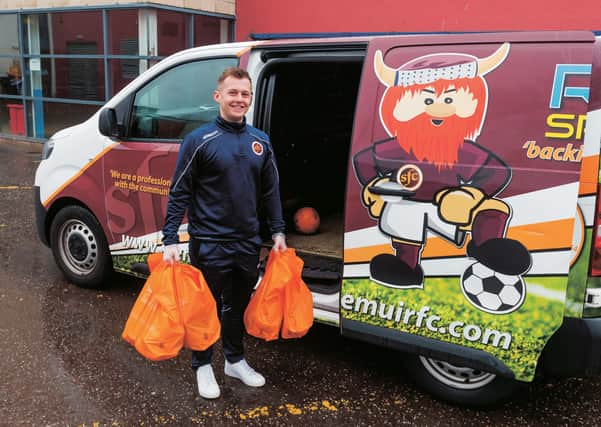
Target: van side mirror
107, 123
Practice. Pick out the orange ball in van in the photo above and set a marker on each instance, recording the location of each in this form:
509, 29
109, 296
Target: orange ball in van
306, 220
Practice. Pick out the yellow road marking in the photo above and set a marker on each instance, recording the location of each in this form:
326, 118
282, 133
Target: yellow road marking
16, 187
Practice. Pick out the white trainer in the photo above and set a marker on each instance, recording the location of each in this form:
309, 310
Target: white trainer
244, 373
207, 385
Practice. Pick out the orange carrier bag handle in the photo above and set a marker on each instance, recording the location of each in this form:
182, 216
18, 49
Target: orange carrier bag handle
154, 260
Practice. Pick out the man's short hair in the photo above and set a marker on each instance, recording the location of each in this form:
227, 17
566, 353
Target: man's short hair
235, 72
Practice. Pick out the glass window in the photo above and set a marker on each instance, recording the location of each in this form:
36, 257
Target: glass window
172, 30
123, 32
64, 33
211, 30
36, 39
9, 35
178, 101
10, 76
50, 117
123, 71
77, 33
77, 78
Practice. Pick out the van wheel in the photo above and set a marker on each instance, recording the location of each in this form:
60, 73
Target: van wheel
80, 248
459, 384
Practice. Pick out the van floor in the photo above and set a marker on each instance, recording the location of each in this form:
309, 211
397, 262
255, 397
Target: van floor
327, 241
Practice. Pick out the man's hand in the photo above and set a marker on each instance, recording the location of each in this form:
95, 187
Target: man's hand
279, 242
171, 254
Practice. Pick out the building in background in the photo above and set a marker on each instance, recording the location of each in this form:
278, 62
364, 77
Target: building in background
58, 65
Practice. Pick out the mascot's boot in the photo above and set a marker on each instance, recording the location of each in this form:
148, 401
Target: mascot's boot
398, 271
489, 247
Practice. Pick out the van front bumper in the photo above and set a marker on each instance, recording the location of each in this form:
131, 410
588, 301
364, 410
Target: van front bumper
40, 216
575, 349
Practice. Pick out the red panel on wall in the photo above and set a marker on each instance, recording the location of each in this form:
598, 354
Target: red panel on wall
268, 16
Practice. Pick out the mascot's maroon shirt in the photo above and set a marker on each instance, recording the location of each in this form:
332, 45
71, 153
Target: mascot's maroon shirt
475, 167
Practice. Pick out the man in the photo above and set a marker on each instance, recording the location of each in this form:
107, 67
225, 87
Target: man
224, 171
430, 175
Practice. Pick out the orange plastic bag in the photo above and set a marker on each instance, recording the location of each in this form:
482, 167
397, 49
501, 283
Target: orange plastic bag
175, 308
281, 301
298, 303
197, 307
264, 314
154, 326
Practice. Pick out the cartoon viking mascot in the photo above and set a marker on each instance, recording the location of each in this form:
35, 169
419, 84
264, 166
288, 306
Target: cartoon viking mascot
430, 175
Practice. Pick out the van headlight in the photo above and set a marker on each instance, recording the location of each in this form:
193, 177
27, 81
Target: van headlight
47, 149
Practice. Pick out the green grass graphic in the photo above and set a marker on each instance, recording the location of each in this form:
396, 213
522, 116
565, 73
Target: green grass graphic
530, 326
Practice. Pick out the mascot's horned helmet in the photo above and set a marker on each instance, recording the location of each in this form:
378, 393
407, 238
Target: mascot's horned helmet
429, 68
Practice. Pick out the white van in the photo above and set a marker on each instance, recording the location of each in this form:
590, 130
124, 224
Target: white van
456, 177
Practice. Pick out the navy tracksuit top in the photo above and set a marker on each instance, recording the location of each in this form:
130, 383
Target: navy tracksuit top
224, 171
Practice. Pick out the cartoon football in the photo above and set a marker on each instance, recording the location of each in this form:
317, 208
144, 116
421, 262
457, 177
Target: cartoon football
306, 220
491, 291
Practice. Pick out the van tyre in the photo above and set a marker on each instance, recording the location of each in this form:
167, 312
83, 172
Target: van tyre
461, 385
80, 248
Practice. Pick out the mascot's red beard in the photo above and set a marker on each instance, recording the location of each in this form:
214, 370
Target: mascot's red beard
435, 139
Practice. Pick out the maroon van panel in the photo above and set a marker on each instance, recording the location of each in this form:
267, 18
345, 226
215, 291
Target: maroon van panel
595, 100
86, 188
137, 176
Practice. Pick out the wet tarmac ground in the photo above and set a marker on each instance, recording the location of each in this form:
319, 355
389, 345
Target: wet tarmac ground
63, 363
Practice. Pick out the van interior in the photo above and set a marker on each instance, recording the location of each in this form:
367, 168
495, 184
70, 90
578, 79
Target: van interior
307, 106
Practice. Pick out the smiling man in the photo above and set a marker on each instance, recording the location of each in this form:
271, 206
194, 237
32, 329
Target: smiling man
224, 171
430, 175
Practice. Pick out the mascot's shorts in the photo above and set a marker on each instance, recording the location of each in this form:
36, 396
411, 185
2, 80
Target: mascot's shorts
408, 220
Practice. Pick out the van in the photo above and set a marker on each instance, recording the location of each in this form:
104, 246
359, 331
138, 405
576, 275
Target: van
456, 178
